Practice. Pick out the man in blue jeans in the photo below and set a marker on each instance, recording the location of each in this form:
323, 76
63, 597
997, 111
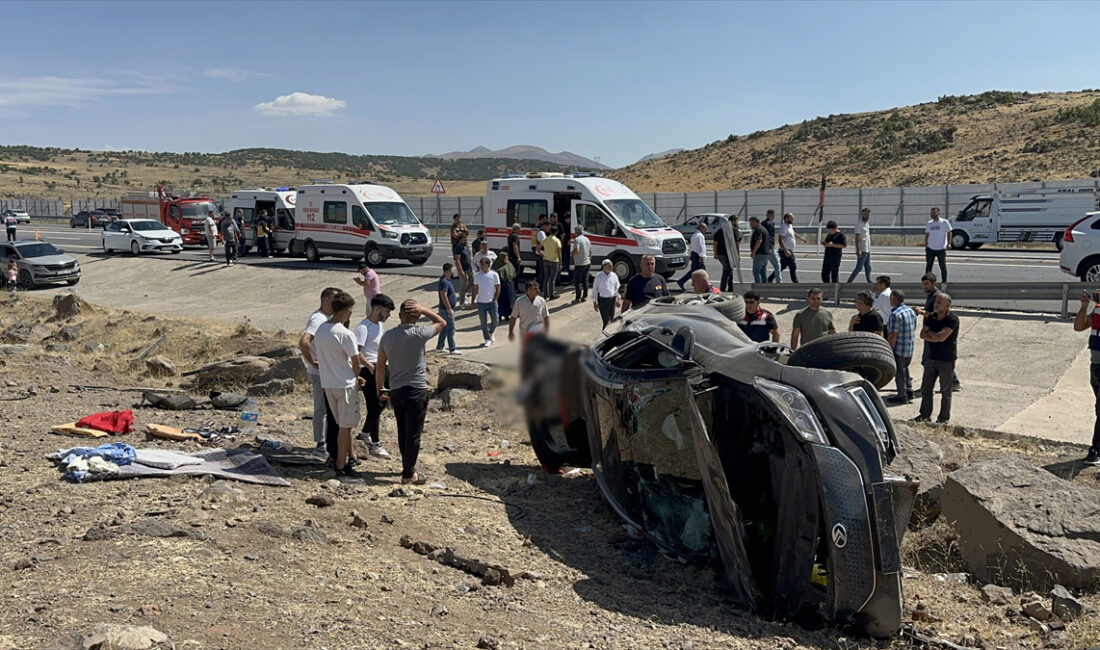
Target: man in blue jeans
863, 245
760, 251
698, 248
486, 294
448, 300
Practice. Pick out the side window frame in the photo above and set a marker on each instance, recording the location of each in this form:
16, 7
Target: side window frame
335, 212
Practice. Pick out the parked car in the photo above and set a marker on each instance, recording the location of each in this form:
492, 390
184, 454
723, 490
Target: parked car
112, 213
766, 462
714, 221
140, 236
98, 219
1080, 254
21, 216
40, 263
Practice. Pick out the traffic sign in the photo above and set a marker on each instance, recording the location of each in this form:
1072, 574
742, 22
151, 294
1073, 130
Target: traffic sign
438, 187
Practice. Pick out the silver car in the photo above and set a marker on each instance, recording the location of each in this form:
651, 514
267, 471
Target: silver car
21, 216
40, 263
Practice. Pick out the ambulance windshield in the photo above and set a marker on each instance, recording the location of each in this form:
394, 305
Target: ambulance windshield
633, 213
391, 214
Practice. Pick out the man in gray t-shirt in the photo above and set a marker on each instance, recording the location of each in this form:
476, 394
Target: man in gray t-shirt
403, 349
813, 322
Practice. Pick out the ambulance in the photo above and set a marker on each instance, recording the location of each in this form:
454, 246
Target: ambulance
620, 225
279, 205
359, 220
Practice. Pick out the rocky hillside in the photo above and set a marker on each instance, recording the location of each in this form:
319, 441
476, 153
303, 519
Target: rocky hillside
525, 152
997, 136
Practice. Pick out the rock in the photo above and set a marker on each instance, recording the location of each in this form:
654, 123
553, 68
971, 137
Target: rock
122, 637
357, 521
920, 458
25, 332
156, 528
58, 347
459, 398
70, 332
272, 387
22, 563
286, 369
1038, 626
465, 374
321, 500
160, 366
1023, 526
18, 349
283, 352
1065, 606
238, 371
1036, 610
222, 490
228, 401
331, 484
491, 577
310, 535
439, 610
94, 346
100, 532
171, 402
67, 305
270, 529
488, 643
996, 594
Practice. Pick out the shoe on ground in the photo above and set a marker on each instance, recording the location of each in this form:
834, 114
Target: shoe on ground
364, 436
956, 388
486, 343
415, 479
492, 338
1093, 458
320, 451
456, 351
914, 393
376, 449
898, 400
348, 471
941, 420
922, 418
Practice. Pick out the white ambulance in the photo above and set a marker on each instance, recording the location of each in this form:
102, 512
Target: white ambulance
357, 220
620, 225
279, 205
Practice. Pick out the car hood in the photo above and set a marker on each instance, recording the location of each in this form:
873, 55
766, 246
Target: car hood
156, 234
50, 259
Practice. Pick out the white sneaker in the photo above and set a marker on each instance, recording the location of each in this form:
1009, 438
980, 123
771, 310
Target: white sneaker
377, 450
487, 343
493, 338
456, 351
320, 451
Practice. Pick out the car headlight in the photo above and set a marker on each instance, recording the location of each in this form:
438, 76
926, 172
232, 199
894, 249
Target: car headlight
649, 242
867, 406
389, 234
795, 407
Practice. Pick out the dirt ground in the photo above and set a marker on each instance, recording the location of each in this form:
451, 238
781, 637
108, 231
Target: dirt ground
257, 567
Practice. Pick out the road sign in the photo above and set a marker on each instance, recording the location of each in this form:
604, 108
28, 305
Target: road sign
438, 187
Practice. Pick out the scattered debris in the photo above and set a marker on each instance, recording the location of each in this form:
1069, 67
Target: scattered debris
490, 574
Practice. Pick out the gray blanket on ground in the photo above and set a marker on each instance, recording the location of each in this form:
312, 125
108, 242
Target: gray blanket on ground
233, 464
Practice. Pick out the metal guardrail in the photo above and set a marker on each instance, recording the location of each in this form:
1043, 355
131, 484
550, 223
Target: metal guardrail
845, 293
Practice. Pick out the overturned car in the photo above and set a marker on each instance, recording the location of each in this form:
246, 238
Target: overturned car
727, 451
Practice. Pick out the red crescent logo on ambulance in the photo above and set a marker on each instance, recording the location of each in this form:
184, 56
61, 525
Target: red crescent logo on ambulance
289, 199
604, 190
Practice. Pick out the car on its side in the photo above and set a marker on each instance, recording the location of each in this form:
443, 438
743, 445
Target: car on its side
1080, 254
40, 262
140, 236
767, 464
97, 219
20, 215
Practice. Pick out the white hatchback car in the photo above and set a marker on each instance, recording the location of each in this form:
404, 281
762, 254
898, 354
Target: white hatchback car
140, 236
1081, 249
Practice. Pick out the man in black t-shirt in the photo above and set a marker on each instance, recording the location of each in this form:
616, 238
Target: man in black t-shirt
940, 334
515, 254
464, 271
760, 250
867, 318
645, 286
835, 242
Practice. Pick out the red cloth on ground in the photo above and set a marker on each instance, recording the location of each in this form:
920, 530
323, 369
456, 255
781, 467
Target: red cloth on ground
116, 422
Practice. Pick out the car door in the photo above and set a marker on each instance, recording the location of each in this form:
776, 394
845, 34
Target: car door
109, 233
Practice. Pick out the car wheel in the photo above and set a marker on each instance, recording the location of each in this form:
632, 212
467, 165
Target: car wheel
732, 306
417, 261
25, 279
373, 255
106, 249
135, 250
863, 353
1090, 270
311, 252
623, 266
959, 240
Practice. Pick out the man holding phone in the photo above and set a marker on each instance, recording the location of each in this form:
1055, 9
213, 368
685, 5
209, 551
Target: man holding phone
1086, 320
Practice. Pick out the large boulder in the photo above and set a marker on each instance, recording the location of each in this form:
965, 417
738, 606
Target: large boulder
920, 458
67, 305
160, 366
291, 368
465, 374
272, 388
1022, 526
238, 371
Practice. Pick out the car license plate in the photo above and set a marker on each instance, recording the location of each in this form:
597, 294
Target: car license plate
416, 249
675, 260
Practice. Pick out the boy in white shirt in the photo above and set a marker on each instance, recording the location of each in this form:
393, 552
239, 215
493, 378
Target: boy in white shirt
367, 335
486, 293
338, 363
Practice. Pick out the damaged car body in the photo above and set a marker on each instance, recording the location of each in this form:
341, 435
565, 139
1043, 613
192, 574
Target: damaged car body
722, 450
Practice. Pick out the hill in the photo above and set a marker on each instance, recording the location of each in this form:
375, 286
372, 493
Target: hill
661, 154
525, 152
996, 136
54, 172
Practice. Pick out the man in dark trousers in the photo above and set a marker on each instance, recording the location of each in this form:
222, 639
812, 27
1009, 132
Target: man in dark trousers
931, 292
835, 243
514, 252
940, 334
1086, 320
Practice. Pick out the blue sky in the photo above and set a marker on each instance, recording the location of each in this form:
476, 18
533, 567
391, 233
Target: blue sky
616, 80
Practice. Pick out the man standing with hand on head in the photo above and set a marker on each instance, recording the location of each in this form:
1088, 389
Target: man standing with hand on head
403, 349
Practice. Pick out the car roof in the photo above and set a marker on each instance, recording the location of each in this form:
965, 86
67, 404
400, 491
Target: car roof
28, 242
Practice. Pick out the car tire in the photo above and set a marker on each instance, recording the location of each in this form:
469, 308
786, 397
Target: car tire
623, 266
1089, 271
135, 250
373, 256
25, 279
959, 240
863, 353
312, 255
732, 306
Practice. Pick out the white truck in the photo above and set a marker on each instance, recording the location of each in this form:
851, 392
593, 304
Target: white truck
279, 205
620, 225
359, 220
1036, 216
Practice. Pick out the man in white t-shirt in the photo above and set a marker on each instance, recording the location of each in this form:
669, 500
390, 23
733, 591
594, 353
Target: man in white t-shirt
698, 252
785, 236
367, 335
486, 292
210, 229
483, 252
882, 299
321, 416
338, 364
936, 234
863, 246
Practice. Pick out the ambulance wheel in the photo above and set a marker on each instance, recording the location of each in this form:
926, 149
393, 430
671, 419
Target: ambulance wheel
417, 261
959, 240
373, 255
624, 267
311, 252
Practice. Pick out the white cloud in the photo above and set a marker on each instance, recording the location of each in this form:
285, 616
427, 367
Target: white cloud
299, 103
47, 90
230, 74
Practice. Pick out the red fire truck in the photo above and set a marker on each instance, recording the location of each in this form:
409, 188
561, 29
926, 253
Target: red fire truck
184, 214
